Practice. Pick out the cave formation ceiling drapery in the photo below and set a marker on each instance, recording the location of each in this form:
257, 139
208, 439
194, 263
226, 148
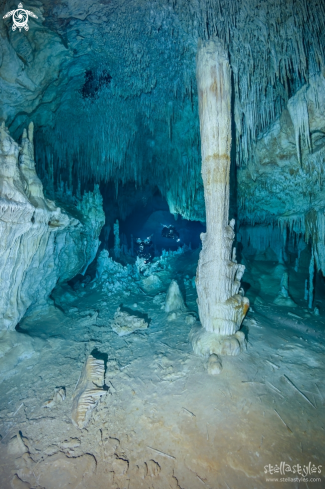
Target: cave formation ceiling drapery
110, 84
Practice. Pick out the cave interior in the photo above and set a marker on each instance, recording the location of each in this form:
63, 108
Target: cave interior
162, 244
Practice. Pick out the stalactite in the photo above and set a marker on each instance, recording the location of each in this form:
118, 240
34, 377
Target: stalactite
297, 107
270, 61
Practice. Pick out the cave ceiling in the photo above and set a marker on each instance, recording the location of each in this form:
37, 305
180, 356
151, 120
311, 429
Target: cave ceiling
111, 84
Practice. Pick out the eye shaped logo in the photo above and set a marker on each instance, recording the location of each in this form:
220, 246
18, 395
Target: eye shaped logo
20, 18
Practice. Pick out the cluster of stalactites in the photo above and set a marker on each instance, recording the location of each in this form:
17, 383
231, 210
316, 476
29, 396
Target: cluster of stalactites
274, 48
301, 229
145, 138
131, 145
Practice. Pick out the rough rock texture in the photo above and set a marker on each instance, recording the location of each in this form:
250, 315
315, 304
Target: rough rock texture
16, 446
30, 67
206, 343
40, 244
152, 284
14, 349
284, 177
282, 186
125, 323
59, 472
155, 384
222, 307
59, 395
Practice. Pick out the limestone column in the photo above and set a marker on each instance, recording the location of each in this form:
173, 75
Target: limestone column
222, 306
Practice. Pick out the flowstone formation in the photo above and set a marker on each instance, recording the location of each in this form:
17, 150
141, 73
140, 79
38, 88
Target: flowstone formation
222, 306
41, 245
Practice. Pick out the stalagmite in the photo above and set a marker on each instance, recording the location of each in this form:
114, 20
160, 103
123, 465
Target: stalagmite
174, 299
41, 245
132, 246
222, 306
311, 281
117, 246
283, 298
306, 290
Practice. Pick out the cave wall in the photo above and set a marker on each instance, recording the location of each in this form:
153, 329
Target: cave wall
281, 190
41, 244
111, 89
31, 70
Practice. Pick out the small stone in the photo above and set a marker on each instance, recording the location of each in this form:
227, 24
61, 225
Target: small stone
190, 319
214, 365
172, 316
58, 396
125, 323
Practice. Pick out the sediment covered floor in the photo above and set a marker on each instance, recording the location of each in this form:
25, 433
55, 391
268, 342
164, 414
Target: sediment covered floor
164, 422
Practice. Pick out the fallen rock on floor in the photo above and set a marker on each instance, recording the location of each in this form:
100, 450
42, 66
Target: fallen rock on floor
58, 396
88, 392
190, 319
125, 323
151, 284
214, 365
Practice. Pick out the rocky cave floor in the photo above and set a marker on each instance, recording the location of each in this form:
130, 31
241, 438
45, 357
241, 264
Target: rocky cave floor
164, 422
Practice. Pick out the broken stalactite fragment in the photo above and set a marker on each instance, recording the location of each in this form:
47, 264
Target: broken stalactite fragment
88, 392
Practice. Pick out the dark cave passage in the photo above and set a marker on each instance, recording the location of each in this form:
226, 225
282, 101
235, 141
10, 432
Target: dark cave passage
142, 213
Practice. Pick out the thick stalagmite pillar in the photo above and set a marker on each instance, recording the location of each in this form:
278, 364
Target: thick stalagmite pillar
222, 306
